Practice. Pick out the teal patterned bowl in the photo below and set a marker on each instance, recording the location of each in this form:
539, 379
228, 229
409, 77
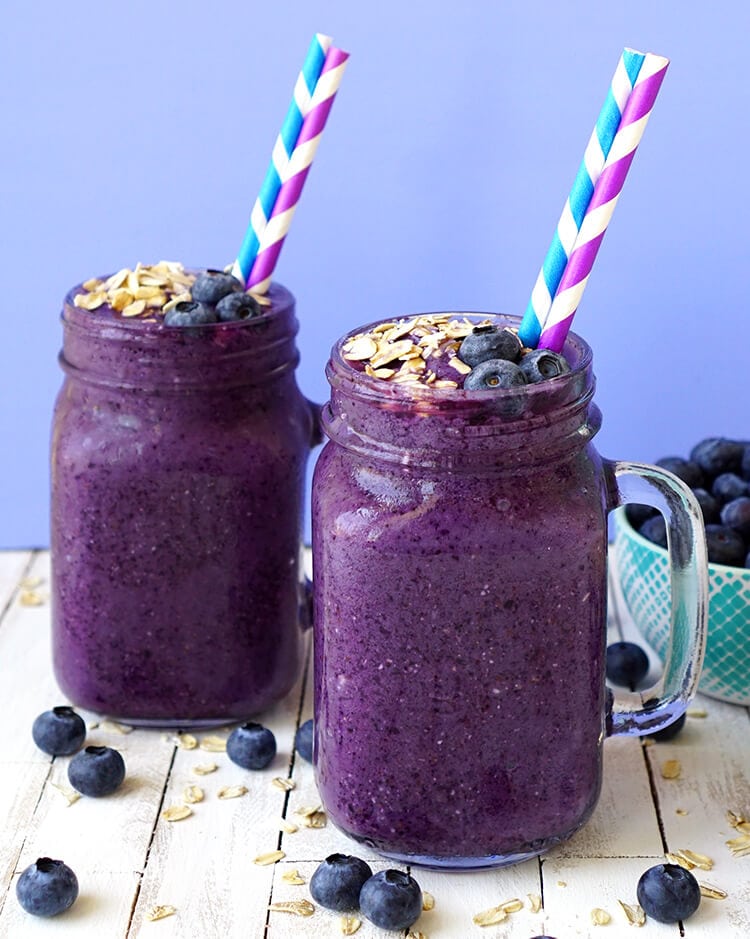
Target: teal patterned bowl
643, 573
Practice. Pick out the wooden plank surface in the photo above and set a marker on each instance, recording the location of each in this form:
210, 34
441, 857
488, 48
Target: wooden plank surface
129, 859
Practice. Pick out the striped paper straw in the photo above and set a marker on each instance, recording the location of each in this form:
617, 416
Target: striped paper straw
298, 169
282, 151
575, 207
606, 193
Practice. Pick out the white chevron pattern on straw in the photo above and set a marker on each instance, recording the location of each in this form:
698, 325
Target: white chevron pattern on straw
300, 159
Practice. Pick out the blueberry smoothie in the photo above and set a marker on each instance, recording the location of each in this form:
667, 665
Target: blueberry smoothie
178, 453
459, 539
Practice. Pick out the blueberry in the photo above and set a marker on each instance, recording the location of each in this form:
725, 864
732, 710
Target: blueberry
690, 473
391, 899
47, 887
490, 342
725, 545
627, 664
655, 529
736, 515
728, 486
493, 375
96, 771
59, 732
668, 732
337, 882
709, 506
251, 746
211, 286
637, 514
237, 306
542, 364
189, 313
745, 463
668, 893
303, 741
717, 455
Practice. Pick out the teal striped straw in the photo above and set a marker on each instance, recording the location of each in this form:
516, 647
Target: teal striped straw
282, 151
571, 219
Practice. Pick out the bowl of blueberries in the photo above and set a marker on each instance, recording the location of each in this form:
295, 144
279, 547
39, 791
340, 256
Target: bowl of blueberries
718, 472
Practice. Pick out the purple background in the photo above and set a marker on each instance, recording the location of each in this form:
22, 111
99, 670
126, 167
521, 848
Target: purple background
142, 130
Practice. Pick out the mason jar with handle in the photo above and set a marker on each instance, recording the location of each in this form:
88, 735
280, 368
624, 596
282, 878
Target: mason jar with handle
460, 585
178, 465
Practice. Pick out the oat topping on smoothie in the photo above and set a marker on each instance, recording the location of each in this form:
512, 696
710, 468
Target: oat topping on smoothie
167, 290
446, 350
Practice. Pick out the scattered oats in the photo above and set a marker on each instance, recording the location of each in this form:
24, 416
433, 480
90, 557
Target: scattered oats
562, 883
92, 284
316, 820
193, 794
270, 857
713, 893
214, 744
491, 917
172, 303
186, 742
444, 383
116, 280
387, 352
147, 292
307, 810
357, 350
296, 907
740, 847
175, 813
293, 877
29, 583
738, 821
113, 727
398, 331
671, 769
289, 827
416, 935
635, 915
681, 812
428, 901
680, 861
349, 925
160, 912
30, 598
203, 769
284, 783
600, 917
90, 301
512, 906
697, 860
697, 712
535, 902
93, 725
379, 372
231, 792
70, 795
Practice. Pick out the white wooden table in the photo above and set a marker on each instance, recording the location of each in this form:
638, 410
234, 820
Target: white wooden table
129, 860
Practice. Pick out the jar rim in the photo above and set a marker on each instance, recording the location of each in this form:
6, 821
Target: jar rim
568, 388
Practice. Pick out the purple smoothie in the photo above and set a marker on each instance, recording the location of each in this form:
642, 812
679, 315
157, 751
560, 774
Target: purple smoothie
178, 459
459, 544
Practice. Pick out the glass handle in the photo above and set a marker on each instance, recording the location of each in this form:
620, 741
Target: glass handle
316, 434
688, 566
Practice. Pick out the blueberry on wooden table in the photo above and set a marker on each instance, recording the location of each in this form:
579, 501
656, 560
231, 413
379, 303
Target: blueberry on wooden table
668, 893
391, 899
627, 664
47, 887
303, 740
337, 882
59, 732
96, 771
251, 746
